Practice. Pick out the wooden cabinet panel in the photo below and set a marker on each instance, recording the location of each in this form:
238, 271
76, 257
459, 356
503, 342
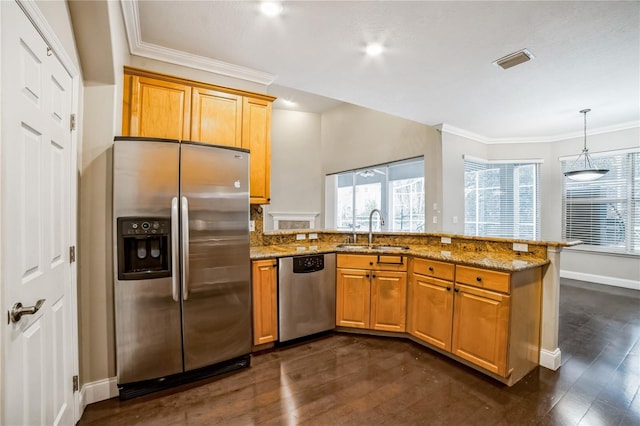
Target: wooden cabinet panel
256, 137
156, 108
481, 328
490, 280
431, 310
373, 262
265, 301
388, 301
353, 294
433, 268
216, 117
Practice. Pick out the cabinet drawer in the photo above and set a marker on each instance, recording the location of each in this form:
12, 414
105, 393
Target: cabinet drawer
432, 268
491, 280
382, 262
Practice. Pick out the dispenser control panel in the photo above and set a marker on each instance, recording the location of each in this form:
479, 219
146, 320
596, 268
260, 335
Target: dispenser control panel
145, 227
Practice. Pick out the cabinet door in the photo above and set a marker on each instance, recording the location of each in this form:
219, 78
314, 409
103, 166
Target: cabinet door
216, 117
155, 108
431, 310
256, 137
389, 301
481, 327
353, 293
265, 301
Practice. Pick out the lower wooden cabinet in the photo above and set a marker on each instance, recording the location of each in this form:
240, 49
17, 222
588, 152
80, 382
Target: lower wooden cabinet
372, 298
481, 328
488, 318
264, 280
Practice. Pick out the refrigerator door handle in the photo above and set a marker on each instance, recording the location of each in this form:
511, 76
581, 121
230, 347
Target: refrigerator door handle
185, 247
175, 276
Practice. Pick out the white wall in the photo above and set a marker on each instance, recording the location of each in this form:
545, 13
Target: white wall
296, 175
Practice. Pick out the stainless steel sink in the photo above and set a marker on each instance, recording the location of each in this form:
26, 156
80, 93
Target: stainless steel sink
374, 247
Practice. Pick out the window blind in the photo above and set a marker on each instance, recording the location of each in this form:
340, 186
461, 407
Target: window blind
502, 199
605, 213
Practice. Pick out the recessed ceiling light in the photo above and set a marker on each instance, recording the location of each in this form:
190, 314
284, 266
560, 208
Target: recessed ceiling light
271, 8
289, 103
374, 49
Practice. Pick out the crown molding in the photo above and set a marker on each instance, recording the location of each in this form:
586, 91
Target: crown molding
152, 51
443, 127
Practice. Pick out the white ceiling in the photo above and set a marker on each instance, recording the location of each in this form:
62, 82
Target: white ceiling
437, 61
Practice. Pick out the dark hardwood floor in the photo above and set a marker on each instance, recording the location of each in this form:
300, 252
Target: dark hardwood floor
345, 379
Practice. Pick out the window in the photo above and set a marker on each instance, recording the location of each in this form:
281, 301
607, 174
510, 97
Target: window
501, 199
605, 213
397, 189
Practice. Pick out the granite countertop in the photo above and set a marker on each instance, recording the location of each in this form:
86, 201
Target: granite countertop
509, 262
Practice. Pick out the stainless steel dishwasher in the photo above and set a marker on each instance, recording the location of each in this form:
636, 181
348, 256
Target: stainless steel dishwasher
306, 295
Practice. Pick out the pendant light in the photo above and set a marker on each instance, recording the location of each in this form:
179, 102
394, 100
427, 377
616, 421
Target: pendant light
589, 171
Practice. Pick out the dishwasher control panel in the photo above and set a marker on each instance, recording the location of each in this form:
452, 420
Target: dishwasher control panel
306, 264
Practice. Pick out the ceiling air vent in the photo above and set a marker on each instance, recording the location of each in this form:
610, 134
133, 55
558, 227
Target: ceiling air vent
513, 59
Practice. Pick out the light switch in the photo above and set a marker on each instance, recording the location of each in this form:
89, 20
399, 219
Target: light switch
301, 236
520, 247
445, 240
313, 236
252, 225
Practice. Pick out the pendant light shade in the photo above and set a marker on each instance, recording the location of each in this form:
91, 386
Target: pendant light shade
583, 168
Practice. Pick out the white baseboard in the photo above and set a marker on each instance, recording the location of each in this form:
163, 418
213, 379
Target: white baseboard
550, 359
98, 391
601, 279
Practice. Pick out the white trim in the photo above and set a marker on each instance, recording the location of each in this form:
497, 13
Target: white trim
159, 53
443, 127
601, 279
98, 391
550, 359
519, 161
601, 153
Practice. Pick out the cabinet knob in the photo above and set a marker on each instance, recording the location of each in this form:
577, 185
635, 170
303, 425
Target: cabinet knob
448, 288
371, 263
478, 279
456, 290
431, 268
373, 275
367, 275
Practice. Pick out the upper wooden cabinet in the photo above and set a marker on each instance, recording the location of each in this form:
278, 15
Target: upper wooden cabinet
216, 117
163, 106
155, 108
256, 137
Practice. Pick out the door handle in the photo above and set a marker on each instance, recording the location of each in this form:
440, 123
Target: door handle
175, 250
184, 203
17, 311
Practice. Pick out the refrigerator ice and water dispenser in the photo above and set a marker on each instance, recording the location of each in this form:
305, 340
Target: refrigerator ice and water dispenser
144, 248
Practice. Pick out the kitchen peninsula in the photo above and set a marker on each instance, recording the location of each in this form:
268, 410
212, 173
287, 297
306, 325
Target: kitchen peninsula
489, 303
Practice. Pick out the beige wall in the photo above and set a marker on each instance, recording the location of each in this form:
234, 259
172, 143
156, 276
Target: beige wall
354, 137
296, 176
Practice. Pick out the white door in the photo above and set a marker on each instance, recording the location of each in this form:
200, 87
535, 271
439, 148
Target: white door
36, 153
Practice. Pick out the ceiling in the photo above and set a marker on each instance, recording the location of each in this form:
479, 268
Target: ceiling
436, 66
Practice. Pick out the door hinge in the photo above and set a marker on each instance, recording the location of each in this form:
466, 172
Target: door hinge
72, 122
76, 385
72, 254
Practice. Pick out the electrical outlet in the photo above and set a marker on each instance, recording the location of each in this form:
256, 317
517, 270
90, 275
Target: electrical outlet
520, 247
455, 219
435, 219
301, 237
313, 236
445, 240
445, 253
252, 225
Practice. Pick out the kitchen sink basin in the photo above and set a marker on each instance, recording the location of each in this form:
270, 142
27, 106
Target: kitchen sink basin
373, 247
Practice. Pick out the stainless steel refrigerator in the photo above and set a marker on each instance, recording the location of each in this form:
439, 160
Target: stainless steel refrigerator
181, 257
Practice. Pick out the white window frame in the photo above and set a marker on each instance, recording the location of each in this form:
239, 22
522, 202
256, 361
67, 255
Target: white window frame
511, 230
